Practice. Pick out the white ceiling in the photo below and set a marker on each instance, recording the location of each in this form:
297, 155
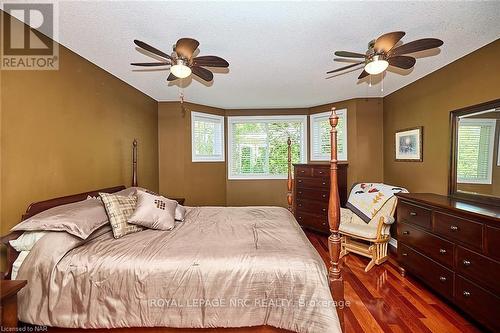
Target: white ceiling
278, 51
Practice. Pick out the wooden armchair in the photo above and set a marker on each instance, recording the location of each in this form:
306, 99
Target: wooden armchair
367, 239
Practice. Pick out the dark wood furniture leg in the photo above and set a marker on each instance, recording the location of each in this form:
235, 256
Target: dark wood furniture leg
8, 303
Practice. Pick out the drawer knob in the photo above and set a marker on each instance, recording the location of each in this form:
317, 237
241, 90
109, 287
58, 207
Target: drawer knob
324, 209
466, 293
413, 214
405, 254
453, 228
302, 171
324, 195
300, 180
324, 183
466, 262
442, 278
300, 205
324, 223
406, 232
442, 251
321, 172
300, 217
300, 192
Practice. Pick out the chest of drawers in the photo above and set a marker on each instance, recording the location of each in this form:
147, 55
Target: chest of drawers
453, 247
311, 192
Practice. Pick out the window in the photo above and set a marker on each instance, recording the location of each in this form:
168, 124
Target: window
320, 136
476, 140
258, 145
207, 137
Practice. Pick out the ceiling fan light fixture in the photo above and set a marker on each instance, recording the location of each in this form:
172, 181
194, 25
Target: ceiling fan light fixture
376, 65
180, 69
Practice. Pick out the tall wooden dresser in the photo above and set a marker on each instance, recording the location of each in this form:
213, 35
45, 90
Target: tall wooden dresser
453, 246
311, 191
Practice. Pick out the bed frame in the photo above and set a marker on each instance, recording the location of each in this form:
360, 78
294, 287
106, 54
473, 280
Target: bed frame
334, 241
334, 273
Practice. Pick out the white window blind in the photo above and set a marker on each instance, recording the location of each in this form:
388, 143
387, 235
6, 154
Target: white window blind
258, 145
207, 137
320, 136
476, 140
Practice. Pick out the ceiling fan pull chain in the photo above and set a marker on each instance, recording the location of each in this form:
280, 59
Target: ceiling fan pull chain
181, 95
382, 83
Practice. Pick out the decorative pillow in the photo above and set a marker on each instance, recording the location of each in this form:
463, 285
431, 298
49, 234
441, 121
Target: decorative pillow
119, 208
154, 211
180, 213
78, 218
132, 191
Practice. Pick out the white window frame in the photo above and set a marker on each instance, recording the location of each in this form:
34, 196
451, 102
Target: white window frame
484, 121
213, 158
251, 119
341, 113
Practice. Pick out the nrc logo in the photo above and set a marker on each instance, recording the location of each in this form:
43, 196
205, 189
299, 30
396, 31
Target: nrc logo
27, 36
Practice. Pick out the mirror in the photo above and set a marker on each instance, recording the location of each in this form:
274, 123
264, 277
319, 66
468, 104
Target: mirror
476, 153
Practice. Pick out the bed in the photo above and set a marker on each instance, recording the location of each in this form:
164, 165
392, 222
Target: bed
248, 267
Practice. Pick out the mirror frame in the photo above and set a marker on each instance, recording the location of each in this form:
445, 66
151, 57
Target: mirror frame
452, 182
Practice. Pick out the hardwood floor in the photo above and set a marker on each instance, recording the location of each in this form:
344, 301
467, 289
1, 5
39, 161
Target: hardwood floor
380, 301
383, 301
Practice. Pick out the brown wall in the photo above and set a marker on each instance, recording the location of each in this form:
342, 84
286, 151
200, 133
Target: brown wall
427, 102
200, 183
207, 183
69, 131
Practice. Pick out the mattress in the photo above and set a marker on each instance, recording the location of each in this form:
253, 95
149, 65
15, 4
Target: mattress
221, 267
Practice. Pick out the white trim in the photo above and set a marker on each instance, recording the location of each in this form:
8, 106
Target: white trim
487, 122
468, 116
252, 119
216, 119
341, 113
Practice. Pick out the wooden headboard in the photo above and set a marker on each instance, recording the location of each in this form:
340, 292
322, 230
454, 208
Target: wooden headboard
40, 206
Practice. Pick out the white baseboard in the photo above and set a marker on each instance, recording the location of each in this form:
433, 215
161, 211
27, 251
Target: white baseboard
393, 242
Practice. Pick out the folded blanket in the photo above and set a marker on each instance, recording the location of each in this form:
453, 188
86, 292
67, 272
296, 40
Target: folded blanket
366, 199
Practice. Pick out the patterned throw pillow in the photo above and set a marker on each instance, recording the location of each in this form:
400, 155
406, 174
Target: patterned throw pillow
119, 208
154, 211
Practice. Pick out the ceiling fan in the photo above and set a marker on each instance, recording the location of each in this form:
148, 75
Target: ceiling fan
382, 53
181, 61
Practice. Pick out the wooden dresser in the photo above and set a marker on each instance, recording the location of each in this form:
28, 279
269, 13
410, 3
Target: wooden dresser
453, 246
311, 191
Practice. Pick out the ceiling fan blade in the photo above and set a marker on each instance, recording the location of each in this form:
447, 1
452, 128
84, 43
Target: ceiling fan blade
203, 73
151, 49
417, 45
186, 46
348, 54
403, 62
210, 61
363, 74
387, 41
172, 77
345, 67
148, 64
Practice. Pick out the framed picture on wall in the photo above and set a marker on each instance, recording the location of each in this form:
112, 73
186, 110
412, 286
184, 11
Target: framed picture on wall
409, 145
